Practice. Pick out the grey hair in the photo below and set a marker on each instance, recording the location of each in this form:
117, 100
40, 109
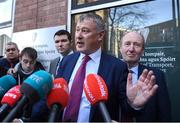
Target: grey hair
12, 43
100, 25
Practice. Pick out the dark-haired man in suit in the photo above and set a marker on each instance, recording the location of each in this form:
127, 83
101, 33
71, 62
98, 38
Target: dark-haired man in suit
89, 35
158, 107
63, 44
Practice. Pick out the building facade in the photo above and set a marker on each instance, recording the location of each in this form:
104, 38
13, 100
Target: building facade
158, 21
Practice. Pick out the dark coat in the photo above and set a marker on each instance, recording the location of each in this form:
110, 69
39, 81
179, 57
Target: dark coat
158, 108
5, 65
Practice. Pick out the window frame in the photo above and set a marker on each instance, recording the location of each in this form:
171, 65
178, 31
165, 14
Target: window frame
9, 22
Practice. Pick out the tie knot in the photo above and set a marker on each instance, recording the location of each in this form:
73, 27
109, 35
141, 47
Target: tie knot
131, 71
86, 58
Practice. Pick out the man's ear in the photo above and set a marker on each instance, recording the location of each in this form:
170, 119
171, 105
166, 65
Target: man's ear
142, 52
20, 58
71, 43
101, 36
120, 49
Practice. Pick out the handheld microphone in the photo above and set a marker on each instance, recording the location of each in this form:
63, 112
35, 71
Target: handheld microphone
57, 98
35, 87
6, 82
9, 100
96, 92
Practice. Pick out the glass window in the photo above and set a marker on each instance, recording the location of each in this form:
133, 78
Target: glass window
84, 3
79, 2
6, 7
5, 36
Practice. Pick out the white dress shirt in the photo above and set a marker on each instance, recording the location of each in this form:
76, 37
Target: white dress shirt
91, 67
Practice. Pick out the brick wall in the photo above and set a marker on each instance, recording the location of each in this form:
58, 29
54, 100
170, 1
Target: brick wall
34, 14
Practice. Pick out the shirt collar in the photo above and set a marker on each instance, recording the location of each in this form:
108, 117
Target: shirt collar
71, 52
61, 56
135, 69
94, 56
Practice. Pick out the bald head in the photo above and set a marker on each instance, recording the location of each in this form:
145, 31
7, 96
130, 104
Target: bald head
133, 35
132, 48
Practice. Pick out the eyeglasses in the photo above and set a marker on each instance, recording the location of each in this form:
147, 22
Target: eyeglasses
11, 49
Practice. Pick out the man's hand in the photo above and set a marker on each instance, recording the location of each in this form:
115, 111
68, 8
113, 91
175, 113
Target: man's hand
139, 93
12, 72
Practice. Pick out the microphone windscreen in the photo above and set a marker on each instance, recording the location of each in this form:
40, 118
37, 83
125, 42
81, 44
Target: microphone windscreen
59, 93
95, 89
12, 96
6, 82
37, 85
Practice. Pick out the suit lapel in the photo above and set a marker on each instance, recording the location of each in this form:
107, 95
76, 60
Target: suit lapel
55, 65
70, 65
103, 65
140, 69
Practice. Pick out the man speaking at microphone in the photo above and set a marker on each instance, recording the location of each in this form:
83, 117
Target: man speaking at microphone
90, 58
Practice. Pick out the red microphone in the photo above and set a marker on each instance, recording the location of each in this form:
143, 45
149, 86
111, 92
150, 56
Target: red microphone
10, 99
57, 98
97, 93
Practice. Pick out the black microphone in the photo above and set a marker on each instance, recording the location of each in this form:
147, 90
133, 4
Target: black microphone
35, 87
27, 112
57, 98
96, 92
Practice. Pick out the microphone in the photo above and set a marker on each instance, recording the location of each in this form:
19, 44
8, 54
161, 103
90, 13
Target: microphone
35, 87
96, 92
9, 100
6, 82
57, 98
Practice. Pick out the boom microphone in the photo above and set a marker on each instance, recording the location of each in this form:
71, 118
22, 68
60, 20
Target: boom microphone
9, 100
6, 82
96, 92
57, 98
35, 87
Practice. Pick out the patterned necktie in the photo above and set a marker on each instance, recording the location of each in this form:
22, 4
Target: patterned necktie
72, 109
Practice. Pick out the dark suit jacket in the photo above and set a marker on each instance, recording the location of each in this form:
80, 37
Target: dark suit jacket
53, 66
5, 65
158, 107
114, 72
